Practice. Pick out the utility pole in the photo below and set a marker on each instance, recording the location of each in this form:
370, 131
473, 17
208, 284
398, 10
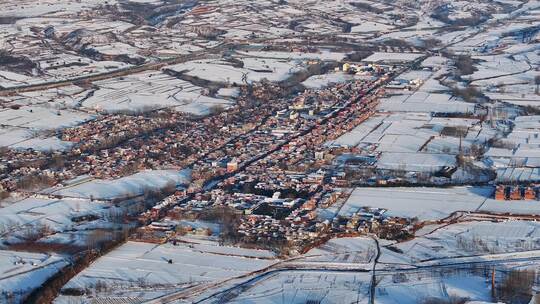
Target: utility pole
493, 292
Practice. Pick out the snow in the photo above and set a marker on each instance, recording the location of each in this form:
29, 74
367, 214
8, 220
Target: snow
115, 49
360, 132
150, 91
495, 66
133, 185
42, 118
32, 8
228, 92
324, 55
425, 102
418, 162
370, 26
325, 80
213, 248
343, 250
254, 70
8, 79
435, 61
514, 207
190, 265
21, 272
473, 238
42, 144
412, 141
12, 136
24, 214
423, 286
423, 203
428, 204
392, 57
308, 287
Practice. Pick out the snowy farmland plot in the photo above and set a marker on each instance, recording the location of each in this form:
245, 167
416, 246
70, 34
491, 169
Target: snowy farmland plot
424, 203
41, 118
392, 57
325, 80
21, 272
23, 139
60, 71
24, 218
129, 186
429, 204
307, 287
252, 70
343, 250
81, 205
142, 270
415, 288
324, 55
425, 102
30, 127
151, 91
415, 142
29, 8
336, 287
471, 239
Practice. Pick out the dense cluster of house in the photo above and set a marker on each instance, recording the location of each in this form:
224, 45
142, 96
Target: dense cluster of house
117, 145
288, 172
276, 222
267, 161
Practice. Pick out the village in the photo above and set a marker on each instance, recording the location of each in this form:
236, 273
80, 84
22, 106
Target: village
171, 151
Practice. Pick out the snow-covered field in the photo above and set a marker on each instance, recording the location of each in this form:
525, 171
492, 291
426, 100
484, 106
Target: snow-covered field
253, 70
44, 144
22, 139
30, 8
425, 102
414, 141
433, 203
26, 216
423, 286
323, 55
346, 287
308, 287
129, 186
150, 91
424, 203
325, 80
418, 162
381, 57
471, 238
41, 118
13, 80
343, 250
475, 241
78, 198
142, 269
21, 272
428, 120
27, 127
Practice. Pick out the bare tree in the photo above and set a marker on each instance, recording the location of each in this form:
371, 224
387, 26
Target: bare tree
516, 287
